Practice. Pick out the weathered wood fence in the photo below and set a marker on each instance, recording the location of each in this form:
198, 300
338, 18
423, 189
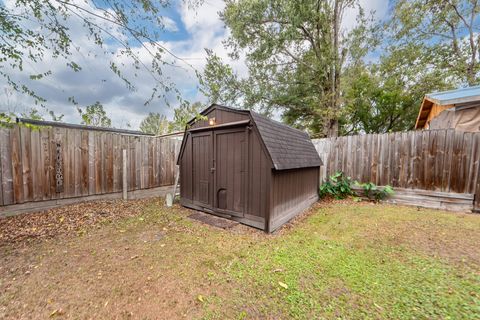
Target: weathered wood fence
443, 161
58, 163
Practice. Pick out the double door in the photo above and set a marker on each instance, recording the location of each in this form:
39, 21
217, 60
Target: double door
219, 170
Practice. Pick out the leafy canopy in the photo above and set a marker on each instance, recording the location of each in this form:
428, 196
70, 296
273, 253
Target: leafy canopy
35, 31
95, 115
296, 53
155, 123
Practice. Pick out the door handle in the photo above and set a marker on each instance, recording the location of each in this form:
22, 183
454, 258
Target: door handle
212, 170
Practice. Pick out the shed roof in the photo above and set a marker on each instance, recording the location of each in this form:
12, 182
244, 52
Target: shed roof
287, 147
457, 97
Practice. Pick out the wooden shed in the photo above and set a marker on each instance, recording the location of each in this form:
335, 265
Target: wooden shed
243, 166
457, 109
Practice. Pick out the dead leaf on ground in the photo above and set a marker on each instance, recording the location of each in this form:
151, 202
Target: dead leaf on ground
57, 312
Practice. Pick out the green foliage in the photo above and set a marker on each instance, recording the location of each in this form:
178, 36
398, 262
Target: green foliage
296, 53
338, 186
34, 31
6, 119
447, 31
375, 193
95, 115
184, 113
383, 98
219, 83
295, 65
9, 118
155, 123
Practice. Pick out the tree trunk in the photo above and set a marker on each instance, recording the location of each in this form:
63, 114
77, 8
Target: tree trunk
333, 122
332, 128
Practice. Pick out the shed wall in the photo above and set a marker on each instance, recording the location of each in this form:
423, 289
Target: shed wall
257, 177
292, 191
434, 112
186, 171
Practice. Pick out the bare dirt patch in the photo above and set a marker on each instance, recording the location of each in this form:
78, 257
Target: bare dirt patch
146, 264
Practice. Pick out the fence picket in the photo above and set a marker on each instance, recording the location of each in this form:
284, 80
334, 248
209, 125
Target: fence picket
436, 160
91, 163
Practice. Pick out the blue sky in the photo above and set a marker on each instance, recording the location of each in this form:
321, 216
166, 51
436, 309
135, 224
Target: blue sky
188, 32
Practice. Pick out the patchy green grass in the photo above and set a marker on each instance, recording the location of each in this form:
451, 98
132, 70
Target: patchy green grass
340, 261
333, 268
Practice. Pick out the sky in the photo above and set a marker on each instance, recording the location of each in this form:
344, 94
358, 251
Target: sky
187, 33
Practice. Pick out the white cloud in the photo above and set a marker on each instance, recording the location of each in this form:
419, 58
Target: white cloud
169, 24
378, 8
96, 82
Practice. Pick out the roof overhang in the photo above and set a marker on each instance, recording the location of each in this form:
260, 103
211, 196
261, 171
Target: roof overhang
425, 109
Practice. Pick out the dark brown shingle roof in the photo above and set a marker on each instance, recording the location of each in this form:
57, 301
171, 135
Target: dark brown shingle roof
288, 148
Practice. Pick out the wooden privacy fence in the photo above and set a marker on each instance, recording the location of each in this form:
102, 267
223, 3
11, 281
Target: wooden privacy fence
54, 163
441, 161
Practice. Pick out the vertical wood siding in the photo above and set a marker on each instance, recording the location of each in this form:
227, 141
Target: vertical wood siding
92, 163
436, 160
291, 192
221, 116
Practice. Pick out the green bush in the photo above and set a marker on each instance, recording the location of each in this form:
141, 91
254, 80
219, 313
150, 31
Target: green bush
374, 193
338, 186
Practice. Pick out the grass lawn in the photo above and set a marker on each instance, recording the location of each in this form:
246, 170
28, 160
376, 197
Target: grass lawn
341, 260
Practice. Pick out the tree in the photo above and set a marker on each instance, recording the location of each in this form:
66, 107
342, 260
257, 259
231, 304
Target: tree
35, 29
296, 53
183, 114
219, 83
447, 31
95, 115
155, 123
385, 96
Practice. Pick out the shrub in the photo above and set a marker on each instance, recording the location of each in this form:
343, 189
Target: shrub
374, 193
338, 186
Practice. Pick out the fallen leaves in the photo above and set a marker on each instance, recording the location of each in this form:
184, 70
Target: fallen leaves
283, 285
71, 219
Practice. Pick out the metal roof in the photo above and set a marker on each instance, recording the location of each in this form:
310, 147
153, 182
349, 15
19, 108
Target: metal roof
456, 96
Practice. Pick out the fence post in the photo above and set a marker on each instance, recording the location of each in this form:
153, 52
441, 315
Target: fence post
124, 173
476, 201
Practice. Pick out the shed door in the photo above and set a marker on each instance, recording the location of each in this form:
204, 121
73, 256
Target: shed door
202, 168
229, 195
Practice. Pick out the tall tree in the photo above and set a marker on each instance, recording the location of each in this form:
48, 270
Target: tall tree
155, 123
447, 30
296, 53
95, 115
